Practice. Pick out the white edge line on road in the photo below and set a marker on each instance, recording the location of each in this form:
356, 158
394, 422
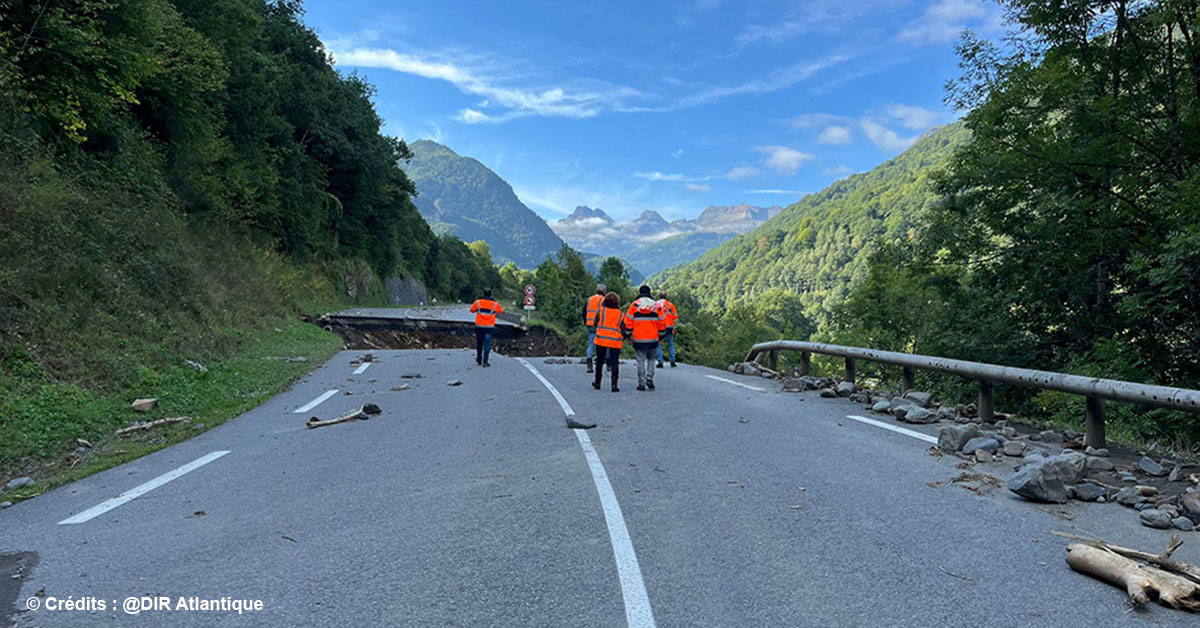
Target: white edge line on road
730, 381
362, 368
638, 613
315, 402
138, 491
899, 430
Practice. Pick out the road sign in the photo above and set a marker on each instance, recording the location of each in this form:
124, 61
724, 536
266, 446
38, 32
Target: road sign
530, 300
530, 290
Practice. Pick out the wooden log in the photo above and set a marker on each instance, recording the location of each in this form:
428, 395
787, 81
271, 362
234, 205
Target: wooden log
363, 413
1142, 582
1162, 560
152, 424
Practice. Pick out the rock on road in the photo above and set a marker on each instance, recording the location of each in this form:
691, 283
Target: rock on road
473, 505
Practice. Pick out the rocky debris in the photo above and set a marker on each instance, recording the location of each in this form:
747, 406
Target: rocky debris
196, 365
1190, 504
922, 399
367, 357
947, 414
1039, 481
1183, 523
144, 405
557, 361
1099, 464
1151, 467
17, 483
454, 382
1130, 496
952, 438
1014, 448
981, 443
4, 505
1050, 436
969, 410
411, 376
1155, 518
1092, 451
914, 414
882, 407
845, 389
1009, 432
983, 455
796, 384
1176, 471
1072, 466
828, 393
1087, 492
401, 387
83, 443
298, 359
745, 368
1126, 476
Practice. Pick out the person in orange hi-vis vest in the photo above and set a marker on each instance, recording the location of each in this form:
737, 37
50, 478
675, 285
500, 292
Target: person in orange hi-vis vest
670, 316
485, 310
611, 327
648, 327
590, 308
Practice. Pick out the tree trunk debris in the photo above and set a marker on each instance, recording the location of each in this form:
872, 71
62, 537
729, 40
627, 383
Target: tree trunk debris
1165, 580
365, 412
151, 424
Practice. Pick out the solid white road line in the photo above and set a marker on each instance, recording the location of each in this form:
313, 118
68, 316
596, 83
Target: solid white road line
138, 491
730, 381
638, 613
899, 430
362, 368
315, 402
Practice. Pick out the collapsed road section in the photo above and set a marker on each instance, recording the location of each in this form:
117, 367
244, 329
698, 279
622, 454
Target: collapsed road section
444, 327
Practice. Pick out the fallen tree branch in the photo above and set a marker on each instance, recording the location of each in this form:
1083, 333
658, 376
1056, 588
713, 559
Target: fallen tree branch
151, 424
1162, 560
365, 412
1141, 582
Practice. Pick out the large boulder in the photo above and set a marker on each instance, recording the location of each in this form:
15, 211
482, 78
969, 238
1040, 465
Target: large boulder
922, 399
1014, 448
981, 443
1088, 492
882, 406
796, 384
845, 389
1151, 467
953, 437
1039, 482
1190, 505
914, 414
1071, 465
1155, 518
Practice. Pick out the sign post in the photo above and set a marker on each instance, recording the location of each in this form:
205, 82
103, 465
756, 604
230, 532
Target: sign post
530, 300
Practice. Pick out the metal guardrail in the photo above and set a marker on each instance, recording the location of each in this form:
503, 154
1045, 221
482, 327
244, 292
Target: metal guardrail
1095, 389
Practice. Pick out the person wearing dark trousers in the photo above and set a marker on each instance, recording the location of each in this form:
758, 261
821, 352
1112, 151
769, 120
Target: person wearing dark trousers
590, 308
670, 317
611, 328
485, 310
648, 326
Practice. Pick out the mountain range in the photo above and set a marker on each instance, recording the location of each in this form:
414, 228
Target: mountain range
819, 246
594, 231
460, 196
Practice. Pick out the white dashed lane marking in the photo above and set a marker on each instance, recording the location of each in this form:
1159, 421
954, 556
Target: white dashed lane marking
138, 491
899, 430
315, 402
730, 381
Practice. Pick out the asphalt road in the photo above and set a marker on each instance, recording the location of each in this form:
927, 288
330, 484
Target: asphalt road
473, 505
427, 314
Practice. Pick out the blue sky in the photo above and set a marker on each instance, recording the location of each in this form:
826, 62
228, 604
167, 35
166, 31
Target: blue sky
671, 106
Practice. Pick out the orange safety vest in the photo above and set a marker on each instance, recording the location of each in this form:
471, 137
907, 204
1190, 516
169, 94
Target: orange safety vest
608, 329
593, 306
485, 312
647, 320
669, 313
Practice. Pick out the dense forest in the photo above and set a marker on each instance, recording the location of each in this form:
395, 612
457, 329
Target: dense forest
176, 177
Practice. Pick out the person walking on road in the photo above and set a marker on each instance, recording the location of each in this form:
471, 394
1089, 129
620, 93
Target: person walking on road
611, 327
648, 327
670, 316
485, 310
590, 309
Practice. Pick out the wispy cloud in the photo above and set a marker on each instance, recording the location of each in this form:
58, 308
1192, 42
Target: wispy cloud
837, 171
942, 22
655, 175
778, 79
784, 160
774, 33
774, 191
698, 187
677, 153
914, 117
742, 172
835, 135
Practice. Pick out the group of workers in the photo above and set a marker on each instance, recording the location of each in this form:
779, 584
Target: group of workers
648, 324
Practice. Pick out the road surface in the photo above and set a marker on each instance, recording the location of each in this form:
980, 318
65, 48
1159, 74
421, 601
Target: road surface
714, 501
428, 315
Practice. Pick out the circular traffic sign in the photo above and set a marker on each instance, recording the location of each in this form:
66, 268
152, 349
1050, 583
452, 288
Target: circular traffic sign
529, 300
530, 290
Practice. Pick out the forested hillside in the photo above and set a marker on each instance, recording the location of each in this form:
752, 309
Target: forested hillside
178, 178
818, 247
462, 197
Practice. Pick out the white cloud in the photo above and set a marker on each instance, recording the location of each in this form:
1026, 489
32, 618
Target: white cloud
836, 171
575, 99
942, 22
884, 138
698, 187
784, 160
667, 176
677, 153
774, 33
914, 117
813, 120
742, 172
780, 78
836, 135
774, 191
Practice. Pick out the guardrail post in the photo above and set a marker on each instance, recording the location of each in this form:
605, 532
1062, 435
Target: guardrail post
1095, 436
773, 360
987, 401
909, 379
849, 370
805, 363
